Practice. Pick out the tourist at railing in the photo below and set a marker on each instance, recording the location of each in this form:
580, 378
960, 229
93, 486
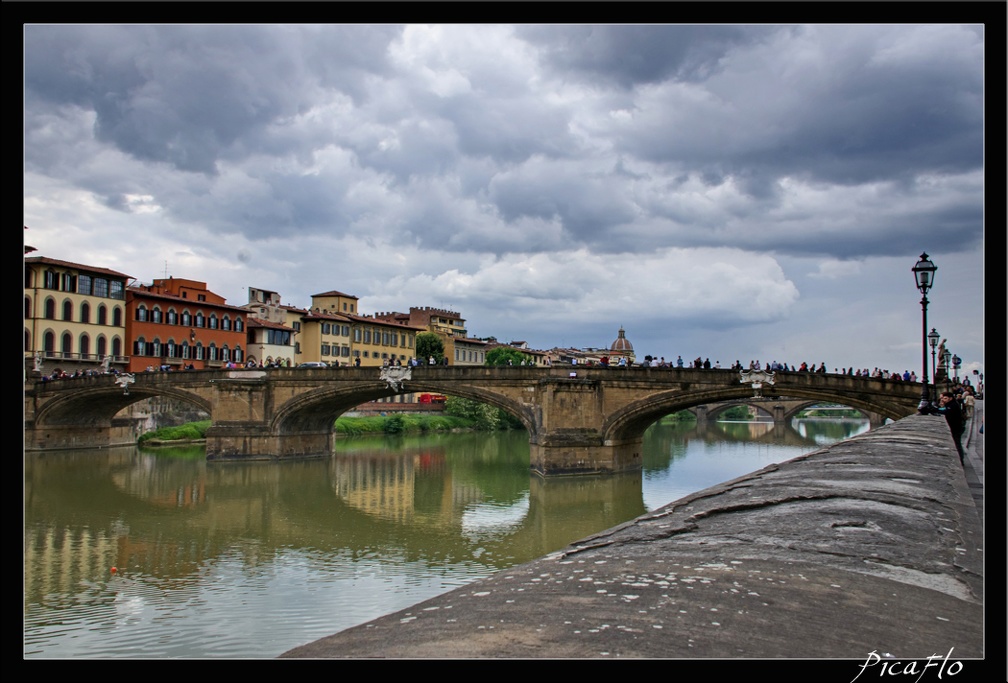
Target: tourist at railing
948, 407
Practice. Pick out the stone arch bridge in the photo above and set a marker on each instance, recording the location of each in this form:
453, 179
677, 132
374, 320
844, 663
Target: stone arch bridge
779, 409
580, 420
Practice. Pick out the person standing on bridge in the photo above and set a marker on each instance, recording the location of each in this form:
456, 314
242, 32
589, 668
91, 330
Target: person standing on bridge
948, 407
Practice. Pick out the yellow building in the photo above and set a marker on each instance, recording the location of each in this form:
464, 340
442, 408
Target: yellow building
333, 330
459, 349
74, 315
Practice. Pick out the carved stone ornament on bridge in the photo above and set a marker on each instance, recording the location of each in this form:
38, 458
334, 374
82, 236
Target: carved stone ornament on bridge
395, 375
756, 378
124, 381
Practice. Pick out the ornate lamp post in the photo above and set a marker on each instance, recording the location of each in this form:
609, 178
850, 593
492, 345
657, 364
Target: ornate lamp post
947, 362
932, 337
956, 362
924, 271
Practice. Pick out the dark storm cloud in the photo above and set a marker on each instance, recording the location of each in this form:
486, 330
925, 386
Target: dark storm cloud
824, 106
630, 55
185, 97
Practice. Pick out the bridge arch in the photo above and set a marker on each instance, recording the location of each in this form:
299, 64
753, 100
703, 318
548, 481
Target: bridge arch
318, 409
98, 405
631, 421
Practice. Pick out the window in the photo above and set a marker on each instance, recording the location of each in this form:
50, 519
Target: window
357, 335
325, 328
50, 279
239, 326
200, 351
185, 350
325, 350
66, 345
186, 318
199, 319
102, 314
100, 287
385, 338
67, 310
117, 315
102, 346
139, 347
141, 313
212, 351
172, 318
367, 336
116, 346
84, 284
345, 351
116, 290
155, 347
85, 312
226, 323
297, 326
27, 308
156, 315
84, 345
49, 343
68, 283
50, 309
213, 321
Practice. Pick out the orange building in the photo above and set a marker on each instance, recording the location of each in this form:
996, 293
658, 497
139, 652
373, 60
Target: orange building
176, 323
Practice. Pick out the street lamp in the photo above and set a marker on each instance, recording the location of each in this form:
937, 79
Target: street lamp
956, 362
924, 271
933, 337
947, 362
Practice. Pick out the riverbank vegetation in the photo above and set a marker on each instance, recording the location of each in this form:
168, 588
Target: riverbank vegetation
191, 431
400, 423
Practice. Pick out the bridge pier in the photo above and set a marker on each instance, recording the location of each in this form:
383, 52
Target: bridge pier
701, 414
251, 441
567, 455
62, 437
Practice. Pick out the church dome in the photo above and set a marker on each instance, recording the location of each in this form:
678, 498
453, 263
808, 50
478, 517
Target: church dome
621, 344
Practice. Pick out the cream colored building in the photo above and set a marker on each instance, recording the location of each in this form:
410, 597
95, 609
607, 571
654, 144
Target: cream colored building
74, 315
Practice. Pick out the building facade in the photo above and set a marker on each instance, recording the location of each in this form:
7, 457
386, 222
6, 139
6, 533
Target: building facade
272, 340
74, 315
176, 323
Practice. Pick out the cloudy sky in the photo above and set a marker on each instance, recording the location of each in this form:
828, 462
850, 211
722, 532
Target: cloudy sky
724, 191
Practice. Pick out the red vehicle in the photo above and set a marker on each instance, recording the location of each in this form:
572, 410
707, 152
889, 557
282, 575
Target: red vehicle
431, 398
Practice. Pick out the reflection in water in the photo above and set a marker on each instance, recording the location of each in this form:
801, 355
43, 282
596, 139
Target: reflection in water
250, 559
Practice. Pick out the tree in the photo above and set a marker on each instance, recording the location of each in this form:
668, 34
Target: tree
500, 355
429, 344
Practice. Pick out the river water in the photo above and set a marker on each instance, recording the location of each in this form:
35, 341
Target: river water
144, 554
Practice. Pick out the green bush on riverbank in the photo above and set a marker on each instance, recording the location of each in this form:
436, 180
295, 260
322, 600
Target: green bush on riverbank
188, 432
400, 423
